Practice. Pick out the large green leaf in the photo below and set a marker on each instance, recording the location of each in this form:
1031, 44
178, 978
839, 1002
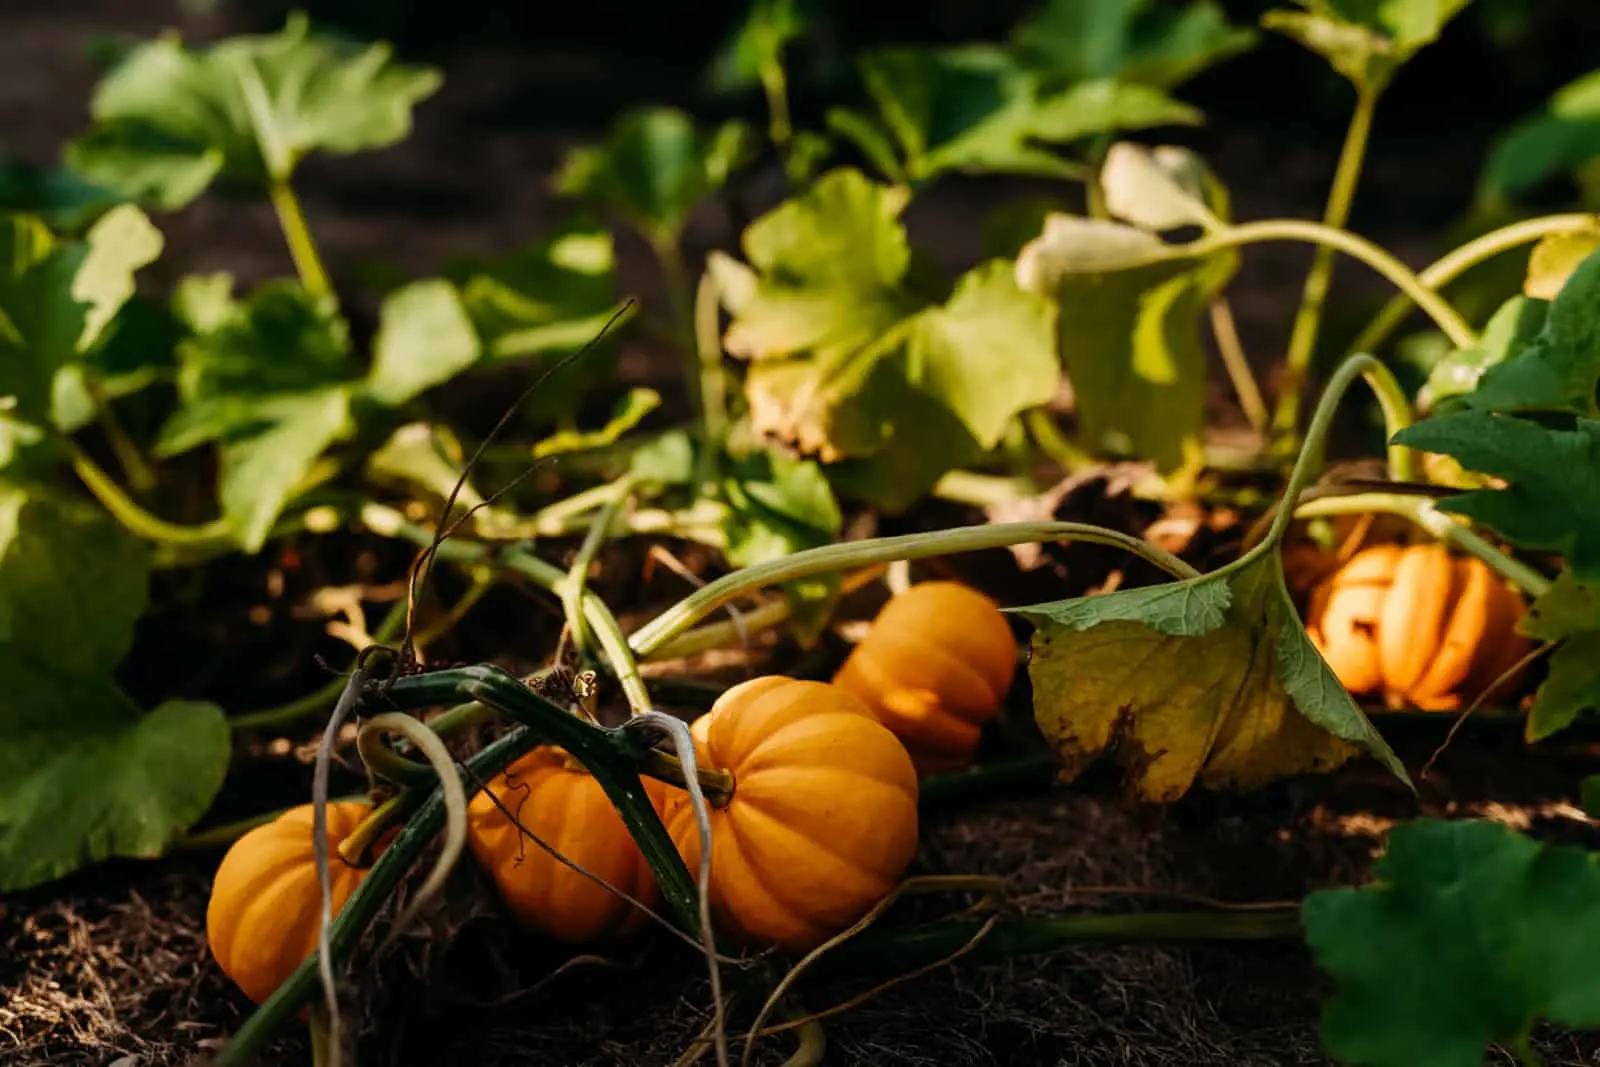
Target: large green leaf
1561, 137
1130, 316
84, 774
1211, 679
654, 168
1552, 498
169, 120
424, 339
1366, 40
1468, 934
1145, 42
849, 362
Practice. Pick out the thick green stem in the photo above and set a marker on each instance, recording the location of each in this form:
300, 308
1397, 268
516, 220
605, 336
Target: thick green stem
1057, 446
680, 299
611, 756
135, 519
1422, 512
322, 699
1451, 266
302, 249
1303, 337
229, 832
1032, 770
1397, 415
914, 946
365, 903
830, 559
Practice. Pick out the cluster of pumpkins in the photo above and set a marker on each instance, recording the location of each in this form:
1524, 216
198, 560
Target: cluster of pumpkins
822, 820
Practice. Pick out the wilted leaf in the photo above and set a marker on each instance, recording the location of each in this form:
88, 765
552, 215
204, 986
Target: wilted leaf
168, 121
1468, 935
84, 775
1211, 679
424, 339
1134, 41
1130, 317
654, 167
1156, 189
1366, 40
628, 413
1562, 136
1552, 501
1554, 258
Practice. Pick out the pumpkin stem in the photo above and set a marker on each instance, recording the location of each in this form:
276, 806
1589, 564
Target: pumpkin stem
356, 849
718, 785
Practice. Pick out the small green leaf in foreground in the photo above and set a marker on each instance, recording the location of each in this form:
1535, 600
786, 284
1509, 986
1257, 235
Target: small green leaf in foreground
1469, 934
1211, 679
1552, 501
84, 774
168, 121
1511, 329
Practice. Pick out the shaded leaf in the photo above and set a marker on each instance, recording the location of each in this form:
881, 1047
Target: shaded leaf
168, 120
1104, 107
424, 339
263, 468
654, 168
84, 775
56, 195
756, 45
628, 413
1555, 141
1569, 612
1129, 320
1211, 679
1552, 501
1468, 934
1134, 41
422, 456
667, 460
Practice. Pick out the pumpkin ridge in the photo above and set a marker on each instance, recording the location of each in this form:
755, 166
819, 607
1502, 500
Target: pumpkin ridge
755, 873
782, 892
948, 661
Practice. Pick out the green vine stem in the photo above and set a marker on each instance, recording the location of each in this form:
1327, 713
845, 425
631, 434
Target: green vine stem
1035, 769
1397, 415
227, 833
611, 756
919, 945
574, 589
713, 381
302, 249
1057, 446
982, 490
1421, 511
321, 699
829, 559
1307, 320
1230, 347
135, 519
365, 903
1453, 264
129, 457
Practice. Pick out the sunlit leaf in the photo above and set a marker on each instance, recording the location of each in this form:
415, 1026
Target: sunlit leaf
1366, 40
1468, 934
1209, 680
1555, 257
424, 339
169, 120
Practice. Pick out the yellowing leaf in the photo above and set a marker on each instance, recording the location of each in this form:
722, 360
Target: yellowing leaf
1555, 258
1156, 189
1210, 679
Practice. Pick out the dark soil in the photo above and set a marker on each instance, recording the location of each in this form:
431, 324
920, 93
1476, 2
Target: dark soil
110, 966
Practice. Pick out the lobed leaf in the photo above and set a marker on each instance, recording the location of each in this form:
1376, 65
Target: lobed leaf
1366, 40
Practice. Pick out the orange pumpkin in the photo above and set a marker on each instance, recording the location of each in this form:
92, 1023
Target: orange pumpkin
561, 803
823, 817
266, 909
934, 667
1418, 624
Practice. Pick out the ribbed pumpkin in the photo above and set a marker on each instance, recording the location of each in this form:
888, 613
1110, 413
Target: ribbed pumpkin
556, 799
265, 908
1420, 625
934, 667
823, 817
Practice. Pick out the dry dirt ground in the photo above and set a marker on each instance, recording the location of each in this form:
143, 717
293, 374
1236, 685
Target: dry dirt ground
110, 967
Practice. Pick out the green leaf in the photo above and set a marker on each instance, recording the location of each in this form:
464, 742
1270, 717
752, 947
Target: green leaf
1511, 329
1093, 108
654, 168
756, 46
1552, 501
1468, 935
1211, 679
1561, 137
168, 120
84, 775
628, 413
1559, 370
264, 468
1568, 612
1130, 317
58, 297
56, 195
1366, 40
1133, 41
667, 460
424, 339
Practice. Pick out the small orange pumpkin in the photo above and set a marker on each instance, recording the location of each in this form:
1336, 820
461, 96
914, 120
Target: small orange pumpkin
265, 910
823, 817
1420, 625
556, 799
934, 667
